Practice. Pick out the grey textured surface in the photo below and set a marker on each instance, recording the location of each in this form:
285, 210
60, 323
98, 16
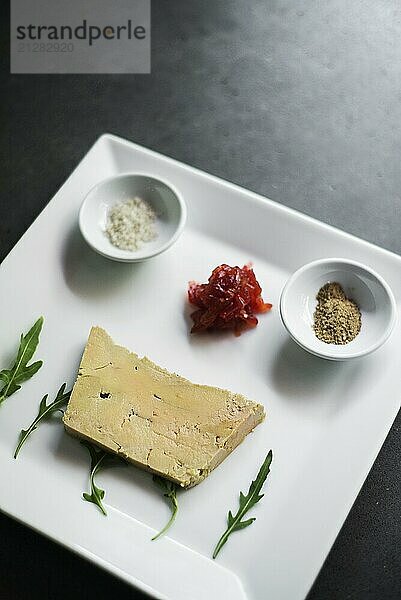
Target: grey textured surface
298, 101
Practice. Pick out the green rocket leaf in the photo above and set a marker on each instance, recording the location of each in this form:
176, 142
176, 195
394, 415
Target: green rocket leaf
235, 523
97, 458
45, 411
21, 371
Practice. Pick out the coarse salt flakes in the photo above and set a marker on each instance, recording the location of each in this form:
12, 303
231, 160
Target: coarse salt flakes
130, 224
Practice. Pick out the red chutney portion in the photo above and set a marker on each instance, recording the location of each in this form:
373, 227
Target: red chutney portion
228, 301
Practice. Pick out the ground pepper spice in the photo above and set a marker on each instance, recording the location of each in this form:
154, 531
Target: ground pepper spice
337, 319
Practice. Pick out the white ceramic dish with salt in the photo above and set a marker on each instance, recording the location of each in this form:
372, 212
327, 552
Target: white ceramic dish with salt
161, 196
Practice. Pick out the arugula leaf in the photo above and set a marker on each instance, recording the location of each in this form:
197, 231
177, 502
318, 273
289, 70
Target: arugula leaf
97, 494
45, 411
21, 371
170, 492
235, 523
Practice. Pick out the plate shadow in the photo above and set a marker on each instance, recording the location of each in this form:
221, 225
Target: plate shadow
299, 375
87, 274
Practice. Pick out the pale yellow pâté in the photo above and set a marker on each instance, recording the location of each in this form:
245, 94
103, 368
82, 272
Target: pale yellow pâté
153, 418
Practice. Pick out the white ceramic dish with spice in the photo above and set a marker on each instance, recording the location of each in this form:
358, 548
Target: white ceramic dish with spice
162, 197
361, 284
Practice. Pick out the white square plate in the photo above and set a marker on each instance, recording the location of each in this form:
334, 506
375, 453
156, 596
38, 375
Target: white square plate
326, 421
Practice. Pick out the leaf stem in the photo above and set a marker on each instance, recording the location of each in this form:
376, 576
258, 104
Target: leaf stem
95, 490
222, 540
170, 492
174, 504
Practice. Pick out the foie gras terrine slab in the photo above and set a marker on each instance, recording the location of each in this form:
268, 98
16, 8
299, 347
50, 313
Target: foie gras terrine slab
155, 419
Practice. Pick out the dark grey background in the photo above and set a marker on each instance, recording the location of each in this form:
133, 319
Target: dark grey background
300, 101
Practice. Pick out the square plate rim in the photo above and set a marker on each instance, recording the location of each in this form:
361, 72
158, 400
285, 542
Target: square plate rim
254, 196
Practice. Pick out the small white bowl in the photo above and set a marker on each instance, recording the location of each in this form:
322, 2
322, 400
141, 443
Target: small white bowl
161, 196
371, 293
